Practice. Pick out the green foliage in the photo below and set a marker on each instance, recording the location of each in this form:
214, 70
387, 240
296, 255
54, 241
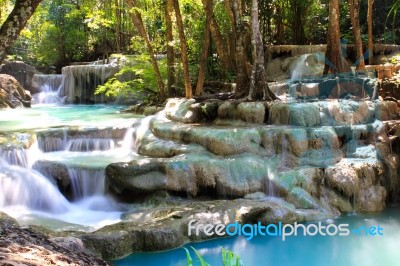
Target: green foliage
136, 76
63, 31
188, 257
393, 59
55, 35
393, 15
228, 258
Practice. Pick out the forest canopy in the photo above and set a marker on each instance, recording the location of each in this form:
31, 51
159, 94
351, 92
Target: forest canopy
64, 31
192, 33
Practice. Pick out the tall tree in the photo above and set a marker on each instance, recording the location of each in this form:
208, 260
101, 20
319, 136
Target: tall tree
243, 66
297, 18
334, 60
182, 38
250, 76
258, 82
169, 9
138, 21
117, 26
355, 22
370, 36
206, 44
15, 22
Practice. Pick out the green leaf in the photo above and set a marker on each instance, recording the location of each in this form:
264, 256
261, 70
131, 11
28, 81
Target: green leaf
230, 259
188, 257
202, 261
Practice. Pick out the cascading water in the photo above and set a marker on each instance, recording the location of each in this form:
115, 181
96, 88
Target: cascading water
307, 66
26, 187
79, 82
90, 144
33, 195
76, 84
15, 156
48, 85
48, 142
86, 182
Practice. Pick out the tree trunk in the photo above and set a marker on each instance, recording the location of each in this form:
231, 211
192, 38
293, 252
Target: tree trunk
280, 28
182, 38
250, 78
242, 73
299, 10
355, 22
137, 20
15, 22
258, 83
220, 42
206, 44
117, 26
169, 9
370, 36
334, 60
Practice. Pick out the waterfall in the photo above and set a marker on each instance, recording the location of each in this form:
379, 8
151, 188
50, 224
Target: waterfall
271, 177
135, 134
26, 187
49, 142
76, 84
48, 86
15, 156
60, 178
86, 182
90, 144
307, 66
285, 160
79, 82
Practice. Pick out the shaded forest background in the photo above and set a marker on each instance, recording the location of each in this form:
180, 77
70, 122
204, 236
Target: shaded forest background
61, 32
65, 31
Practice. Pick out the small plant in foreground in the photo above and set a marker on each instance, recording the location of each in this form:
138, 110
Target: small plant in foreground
228, 258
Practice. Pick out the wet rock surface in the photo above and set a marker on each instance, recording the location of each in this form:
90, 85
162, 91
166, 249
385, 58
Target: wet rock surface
340, 158
248, 162
166, 226
22, 72
12, 94
19, 246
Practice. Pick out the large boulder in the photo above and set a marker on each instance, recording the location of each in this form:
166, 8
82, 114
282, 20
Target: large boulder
346, 112
182, 110
359, 183
12, 94
233, 176
21, 72
218, 140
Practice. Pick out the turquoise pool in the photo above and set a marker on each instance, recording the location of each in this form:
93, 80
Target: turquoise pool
301, 250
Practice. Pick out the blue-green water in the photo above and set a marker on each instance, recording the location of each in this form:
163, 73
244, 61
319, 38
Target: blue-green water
46, 116
301, 250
